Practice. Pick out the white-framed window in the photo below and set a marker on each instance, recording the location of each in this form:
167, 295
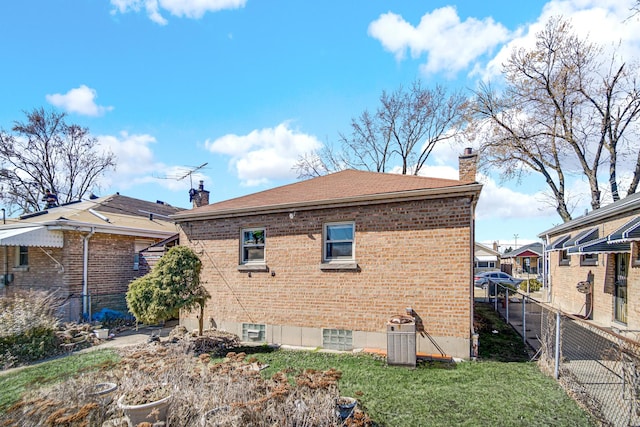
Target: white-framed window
485, 264
22, 256
589, 259
252, 245
339, 241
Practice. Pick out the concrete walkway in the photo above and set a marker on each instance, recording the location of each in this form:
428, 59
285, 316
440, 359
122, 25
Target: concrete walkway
126, 338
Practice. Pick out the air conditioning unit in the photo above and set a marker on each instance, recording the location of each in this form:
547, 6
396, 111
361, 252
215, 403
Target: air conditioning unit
401, 341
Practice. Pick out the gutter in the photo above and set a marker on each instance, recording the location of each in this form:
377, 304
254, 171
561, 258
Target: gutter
369, 199
85, 273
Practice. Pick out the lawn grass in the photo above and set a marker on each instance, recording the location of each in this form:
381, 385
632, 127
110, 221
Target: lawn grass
14, 384
502, 388
465, 394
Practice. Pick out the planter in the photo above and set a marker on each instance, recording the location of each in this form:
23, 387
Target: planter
103, 392
346, 406
152, 412
102, 334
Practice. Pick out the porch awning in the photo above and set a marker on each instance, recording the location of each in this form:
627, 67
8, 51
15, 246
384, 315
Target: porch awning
585, 236
629, 231
31, 236
486, 258
600, 246
556, 245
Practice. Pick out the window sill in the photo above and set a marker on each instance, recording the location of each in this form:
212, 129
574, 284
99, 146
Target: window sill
589, 264
21, 268
564, 264
339, 265
253, 267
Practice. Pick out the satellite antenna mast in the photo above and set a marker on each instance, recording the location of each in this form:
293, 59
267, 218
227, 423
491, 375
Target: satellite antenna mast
190, 173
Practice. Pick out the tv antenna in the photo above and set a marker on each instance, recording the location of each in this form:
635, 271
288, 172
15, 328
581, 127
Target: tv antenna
189, 173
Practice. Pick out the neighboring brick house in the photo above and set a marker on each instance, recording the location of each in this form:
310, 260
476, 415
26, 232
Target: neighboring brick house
485, 259
524, 261
86, 248
594, 265
328, 261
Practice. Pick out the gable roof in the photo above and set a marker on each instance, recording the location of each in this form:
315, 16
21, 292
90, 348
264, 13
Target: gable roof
532, 249
347, 187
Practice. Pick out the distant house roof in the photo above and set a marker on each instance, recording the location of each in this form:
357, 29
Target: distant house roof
111, 214
342, 188
532, 249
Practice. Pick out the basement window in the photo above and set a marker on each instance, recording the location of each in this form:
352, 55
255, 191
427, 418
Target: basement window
337, 339
253, 332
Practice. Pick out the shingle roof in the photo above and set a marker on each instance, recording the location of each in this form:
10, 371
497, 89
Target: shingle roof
336, 187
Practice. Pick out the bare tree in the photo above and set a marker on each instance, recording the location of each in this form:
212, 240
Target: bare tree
45, 153
402, 132
559, 114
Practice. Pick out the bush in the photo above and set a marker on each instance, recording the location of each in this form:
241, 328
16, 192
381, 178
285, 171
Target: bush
28, 328
534, 285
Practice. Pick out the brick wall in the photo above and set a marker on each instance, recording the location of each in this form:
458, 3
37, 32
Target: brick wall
411, 254
564, 279
110, 269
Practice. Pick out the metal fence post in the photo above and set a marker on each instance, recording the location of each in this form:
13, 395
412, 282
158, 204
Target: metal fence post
556, 370
506, 303
524, 319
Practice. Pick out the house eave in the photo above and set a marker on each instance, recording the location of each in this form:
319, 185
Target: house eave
595, 217
119, 230
370, 199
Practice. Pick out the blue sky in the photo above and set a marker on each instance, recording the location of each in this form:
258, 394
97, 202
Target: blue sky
246, 86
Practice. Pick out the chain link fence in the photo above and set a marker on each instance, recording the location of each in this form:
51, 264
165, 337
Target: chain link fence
596, 366
95, 307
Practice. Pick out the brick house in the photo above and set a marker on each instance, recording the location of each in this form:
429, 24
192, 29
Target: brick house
85, 248
524, 261
594, 265
327, 261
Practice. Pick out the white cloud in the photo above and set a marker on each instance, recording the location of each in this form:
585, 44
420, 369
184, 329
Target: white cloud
193, 9
449, 43
613, 29
80, 100
497, 201
264, 154
136, 164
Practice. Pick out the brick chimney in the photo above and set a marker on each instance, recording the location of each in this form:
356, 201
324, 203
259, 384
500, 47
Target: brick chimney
468, 163
199, 197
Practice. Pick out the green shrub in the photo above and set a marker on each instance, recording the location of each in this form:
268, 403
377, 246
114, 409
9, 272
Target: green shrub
534, 285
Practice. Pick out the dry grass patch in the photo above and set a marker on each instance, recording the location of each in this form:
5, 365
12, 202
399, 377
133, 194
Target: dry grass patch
227, 393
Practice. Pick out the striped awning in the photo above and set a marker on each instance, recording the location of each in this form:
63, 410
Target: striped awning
585, 236
31, 236
600, 246
556, 245
629, 231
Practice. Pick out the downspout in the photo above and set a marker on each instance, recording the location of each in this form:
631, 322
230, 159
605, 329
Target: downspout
546, 278
85, 272
6, 254
472, 224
